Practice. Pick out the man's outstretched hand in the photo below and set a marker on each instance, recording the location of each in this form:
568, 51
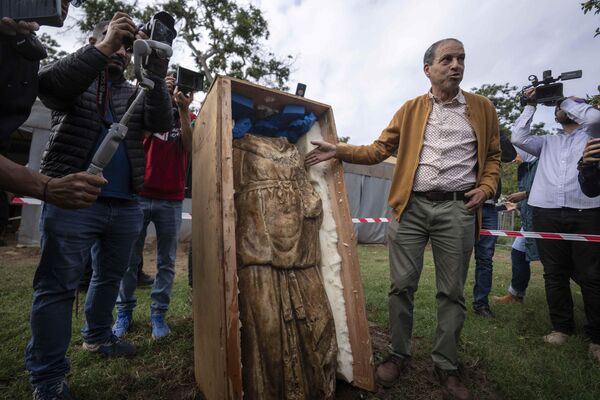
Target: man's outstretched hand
324, 151
78, 190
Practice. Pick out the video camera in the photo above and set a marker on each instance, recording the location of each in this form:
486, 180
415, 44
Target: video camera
44, 12
547, 91
189, 81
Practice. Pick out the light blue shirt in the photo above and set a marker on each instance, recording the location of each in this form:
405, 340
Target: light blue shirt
555, 184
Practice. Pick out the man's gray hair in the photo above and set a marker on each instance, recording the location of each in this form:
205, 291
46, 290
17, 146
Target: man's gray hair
99, 28
430, 53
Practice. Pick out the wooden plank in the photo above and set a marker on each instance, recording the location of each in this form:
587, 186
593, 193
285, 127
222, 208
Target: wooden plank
234, 360
356, 314
211, 235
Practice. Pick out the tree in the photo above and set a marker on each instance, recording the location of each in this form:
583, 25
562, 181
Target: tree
223, 36
52, 48
506, 98
589, 6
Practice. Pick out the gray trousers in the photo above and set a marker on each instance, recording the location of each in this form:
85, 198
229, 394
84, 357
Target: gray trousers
451, 229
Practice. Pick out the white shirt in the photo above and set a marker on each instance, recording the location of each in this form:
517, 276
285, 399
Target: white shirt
555, 184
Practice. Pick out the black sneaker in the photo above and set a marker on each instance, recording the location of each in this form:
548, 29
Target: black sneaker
144, 279
57, 391
115, 347
484, 312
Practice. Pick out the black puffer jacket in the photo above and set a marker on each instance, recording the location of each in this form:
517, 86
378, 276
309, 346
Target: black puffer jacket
19, 62
68, 87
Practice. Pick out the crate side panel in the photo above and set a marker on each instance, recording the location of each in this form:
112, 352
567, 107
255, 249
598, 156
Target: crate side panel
207, 253
233, 339
360, 339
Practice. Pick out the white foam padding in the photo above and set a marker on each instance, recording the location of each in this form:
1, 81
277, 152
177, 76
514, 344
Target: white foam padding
331, 261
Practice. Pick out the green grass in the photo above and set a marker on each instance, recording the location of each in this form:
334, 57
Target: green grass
509, 350
162, 370
505, 358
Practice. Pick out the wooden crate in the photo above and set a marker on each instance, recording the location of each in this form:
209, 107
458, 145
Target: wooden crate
217, 353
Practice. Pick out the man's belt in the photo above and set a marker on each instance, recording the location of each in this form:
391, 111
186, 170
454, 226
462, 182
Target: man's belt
442, 196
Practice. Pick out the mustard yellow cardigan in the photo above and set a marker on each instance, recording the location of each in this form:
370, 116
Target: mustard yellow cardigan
403, 138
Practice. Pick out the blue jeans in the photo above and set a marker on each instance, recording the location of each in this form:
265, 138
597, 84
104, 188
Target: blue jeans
166, 215
521, 268
521, 272
484, 254
105, 230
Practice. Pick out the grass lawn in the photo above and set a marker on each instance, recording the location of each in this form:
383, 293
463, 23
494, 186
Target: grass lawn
504, 358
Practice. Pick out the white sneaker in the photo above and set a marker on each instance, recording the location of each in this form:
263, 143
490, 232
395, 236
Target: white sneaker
556, 337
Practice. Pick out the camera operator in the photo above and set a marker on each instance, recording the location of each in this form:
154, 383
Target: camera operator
20, 55
161, 202
87, 92
589, 169
560, 206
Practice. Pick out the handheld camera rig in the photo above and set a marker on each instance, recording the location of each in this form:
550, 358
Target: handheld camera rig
142, 49
548, 91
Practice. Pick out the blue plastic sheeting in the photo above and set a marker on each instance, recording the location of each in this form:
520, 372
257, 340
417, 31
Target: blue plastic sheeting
242, 126
280, 125
241, 107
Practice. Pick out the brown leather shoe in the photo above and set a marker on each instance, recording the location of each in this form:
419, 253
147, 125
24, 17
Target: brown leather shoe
453, 387
508, 299
390, 370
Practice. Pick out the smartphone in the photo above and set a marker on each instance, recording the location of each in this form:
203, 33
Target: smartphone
44, 12
160, 33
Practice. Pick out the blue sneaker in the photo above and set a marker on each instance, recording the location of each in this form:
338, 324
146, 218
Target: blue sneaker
159, 326
122, 324
114, 347
56, 391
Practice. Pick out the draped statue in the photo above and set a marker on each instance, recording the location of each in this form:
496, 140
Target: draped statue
288, 334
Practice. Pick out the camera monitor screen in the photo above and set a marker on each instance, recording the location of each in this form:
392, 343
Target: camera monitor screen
188, 80
44, 12
162, 33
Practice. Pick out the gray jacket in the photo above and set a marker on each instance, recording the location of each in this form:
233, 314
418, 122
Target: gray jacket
68, 87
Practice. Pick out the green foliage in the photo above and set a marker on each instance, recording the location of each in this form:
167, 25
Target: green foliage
224, 37
589, 6
595, 99
52, 48
344, 139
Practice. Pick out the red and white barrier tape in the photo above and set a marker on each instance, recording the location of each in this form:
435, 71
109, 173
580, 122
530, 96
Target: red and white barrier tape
504, 233
370, 220
543, 235
19, 201
485, 232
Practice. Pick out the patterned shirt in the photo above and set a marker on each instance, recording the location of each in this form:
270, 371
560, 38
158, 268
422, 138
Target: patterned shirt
449, 152
555, 184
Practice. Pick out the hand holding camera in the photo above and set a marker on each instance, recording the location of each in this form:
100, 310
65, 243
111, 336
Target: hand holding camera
547, 91
591, 152
121, 30
10, 27
183, 100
